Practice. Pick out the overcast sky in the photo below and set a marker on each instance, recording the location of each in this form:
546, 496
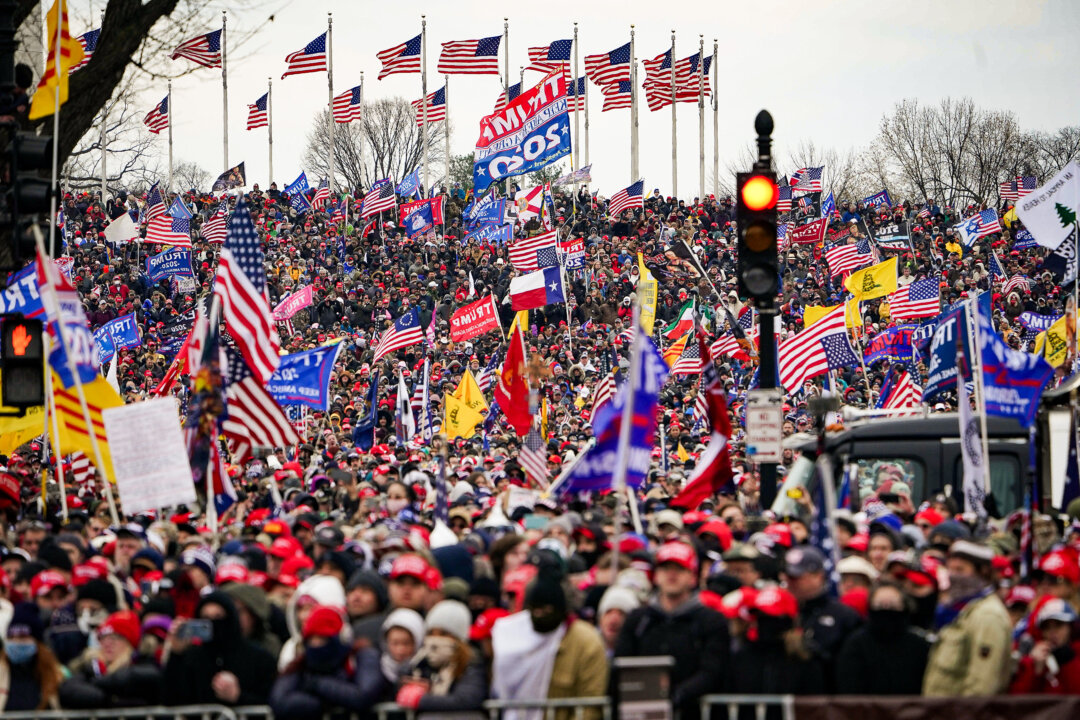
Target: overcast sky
826, 69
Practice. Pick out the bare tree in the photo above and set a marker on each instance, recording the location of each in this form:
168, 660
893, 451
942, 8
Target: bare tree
1045, 153
461, 170
130, 160
386, 142
842, 175
188, 174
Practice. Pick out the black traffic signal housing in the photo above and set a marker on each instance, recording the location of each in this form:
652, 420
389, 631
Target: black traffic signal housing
22, 362
758, 263
25, 195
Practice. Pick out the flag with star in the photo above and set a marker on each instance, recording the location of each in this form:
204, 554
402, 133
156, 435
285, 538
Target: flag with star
838, 351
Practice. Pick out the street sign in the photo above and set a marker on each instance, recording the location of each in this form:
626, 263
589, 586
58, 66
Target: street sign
765, 425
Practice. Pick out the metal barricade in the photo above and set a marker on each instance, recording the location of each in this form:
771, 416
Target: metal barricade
760, 703
495, 708
156, 712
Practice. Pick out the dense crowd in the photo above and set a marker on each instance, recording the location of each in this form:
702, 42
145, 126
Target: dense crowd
328, 585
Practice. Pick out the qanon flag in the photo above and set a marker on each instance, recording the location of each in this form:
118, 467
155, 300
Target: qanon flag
529, 133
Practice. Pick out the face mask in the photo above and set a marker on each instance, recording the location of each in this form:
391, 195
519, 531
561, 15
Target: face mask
771, 630
924, 610
965, 586
439, 651
547, 622
396, 505
888, 624
20, 653
327, 658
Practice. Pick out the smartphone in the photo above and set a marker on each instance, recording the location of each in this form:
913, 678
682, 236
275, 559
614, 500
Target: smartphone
201, 630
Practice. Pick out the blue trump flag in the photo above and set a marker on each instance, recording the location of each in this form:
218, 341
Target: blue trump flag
22, 294
951, 324
595, 470
878, 198
363, 435
1013, 380
118, 334
304, 378
296, 191
410, 186
490, 233
174, 261
104, 345
492, 213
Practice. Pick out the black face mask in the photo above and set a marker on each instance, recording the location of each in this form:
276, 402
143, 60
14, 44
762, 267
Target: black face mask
547, 622
327, 658
888, 624
771, 630
925, 607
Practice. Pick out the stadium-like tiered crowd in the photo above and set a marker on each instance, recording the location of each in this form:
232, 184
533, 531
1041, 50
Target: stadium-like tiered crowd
343, 597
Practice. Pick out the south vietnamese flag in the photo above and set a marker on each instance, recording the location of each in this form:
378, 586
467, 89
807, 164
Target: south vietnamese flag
537, 289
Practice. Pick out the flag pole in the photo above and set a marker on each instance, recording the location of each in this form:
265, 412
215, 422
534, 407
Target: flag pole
270, 129
974, 334
330, 91
50, 412
104, 155
575, 157
169, 105
633, 112
715, 122
424, 102
506, 81
674, 134
224, 96
701, 116
622, 456
446, 137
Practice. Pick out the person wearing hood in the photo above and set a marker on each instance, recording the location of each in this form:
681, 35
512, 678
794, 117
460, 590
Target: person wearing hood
316, 590
366, 599
254, 610
884, 657
328, 672
447, 674
112, 674
225, 668
30, 674
676, 623
402, 635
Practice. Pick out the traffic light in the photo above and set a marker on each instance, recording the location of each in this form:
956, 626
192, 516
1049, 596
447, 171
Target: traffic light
758, 266
22, 362
25, 196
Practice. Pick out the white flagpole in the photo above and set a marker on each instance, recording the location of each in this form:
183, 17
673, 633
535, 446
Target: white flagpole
104, 155
330, 91
585, 98
270, 128
633, 112
506, 80
446, 134
424, 102
701, 117
715, 122
674, 134
980, 391
50, 408
170, 108
575, 158
224, 96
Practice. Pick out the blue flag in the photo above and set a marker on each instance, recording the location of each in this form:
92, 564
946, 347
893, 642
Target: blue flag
179, 210
174, 261
296, 191
363, 435
410, 186
490, 234
951, 324
878, 198
22, 294
1013, 380
304, 378
828, 205
893, 343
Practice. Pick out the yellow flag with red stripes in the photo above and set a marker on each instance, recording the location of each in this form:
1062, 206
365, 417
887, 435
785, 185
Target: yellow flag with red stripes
74, 434
71, 53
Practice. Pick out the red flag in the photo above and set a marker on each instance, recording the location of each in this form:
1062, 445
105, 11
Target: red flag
512, 391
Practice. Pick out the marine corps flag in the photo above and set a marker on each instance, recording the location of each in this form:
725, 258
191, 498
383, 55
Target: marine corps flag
873, 282
58, 65
511, 388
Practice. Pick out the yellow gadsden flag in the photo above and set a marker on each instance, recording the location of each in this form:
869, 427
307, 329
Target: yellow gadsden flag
873, 282
73, 432
464, 408
1053, 343
648, 290
70, 53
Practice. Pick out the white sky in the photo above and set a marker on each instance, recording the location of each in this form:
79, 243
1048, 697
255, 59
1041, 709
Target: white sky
826, 69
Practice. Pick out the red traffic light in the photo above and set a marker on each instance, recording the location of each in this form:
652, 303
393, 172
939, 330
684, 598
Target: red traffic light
759, 193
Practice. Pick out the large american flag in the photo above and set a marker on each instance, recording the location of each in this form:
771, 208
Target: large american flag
405, 331
346, 106
609, 67
918, 299
381, 197
82, 470
502, 101
309, 60
1018, 187
258, 113
403, 58
989, 223
436, 107
241, 288
1017, 283
807, 179
845, 258
322, 195
158, 118
470, 57
627, 198
550, 57
89, 43
155, 203
658, 95
204, 49
727, 345
617, 95
575, 94
838, 352
689, 362
802, 356
531, 254
169, 230
216, 227
900, 392
254, 417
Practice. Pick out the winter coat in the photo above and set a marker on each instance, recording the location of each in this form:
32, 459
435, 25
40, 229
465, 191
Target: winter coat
136, 683
1065, 682
324, 590
356, 688
768, 669
826, 624
972, 654
466, 694
871, 665
580, 668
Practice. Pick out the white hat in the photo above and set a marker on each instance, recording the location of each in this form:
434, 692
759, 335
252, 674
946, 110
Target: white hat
855, 565
451, 616
406, 619
617, 598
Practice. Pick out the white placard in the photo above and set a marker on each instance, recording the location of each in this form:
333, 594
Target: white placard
520, 497
148, 455
765, 425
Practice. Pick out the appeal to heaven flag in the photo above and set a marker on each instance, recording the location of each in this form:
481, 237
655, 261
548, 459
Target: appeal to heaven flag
873, 282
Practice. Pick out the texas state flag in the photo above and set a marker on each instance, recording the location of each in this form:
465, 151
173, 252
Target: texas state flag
537, 289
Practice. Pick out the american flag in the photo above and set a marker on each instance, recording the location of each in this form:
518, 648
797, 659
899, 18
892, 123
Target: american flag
609, 67
501, 102
822, 536
169, 230
470, 57
485, 376
918, 299
604, 392
441, 511
322, 195
1017, 188
783, 202
436, 107
404, 332
617, 95
381, 197
550, 57
347, 105
254, 417
802, 356
155, 203
988, 223
531, 254
689, 362
204, 49
158, 118
658, 95
89, 43
241, 288
82, 471
403, 58
309, 60
627, 198
658, 69
216, 227
838, 352
924, 213
575, 94
845, 258
258, 113
996, 271
727, 345
701, 405
899, 392
533, 458
338, 213
807, 179
1017, 283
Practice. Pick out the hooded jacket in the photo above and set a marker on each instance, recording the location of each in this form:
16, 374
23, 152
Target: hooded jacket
324, 590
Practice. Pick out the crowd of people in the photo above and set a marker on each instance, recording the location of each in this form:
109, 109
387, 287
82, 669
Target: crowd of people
329, 584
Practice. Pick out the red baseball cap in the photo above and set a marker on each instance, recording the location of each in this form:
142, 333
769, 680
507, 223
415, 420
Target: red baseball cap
84, 573
283, 548
46, 581
776, 602
481, 629
679, 553
1062, 565
233, 572
719, 528
124, 623
410, 566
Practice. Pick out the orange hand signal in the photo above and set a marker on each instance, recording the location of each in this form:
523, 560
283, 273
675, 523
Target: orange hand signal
20, 340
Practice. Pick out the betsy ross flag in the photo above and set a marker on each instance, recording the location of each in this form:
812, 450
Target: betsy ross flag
609, 67
550, 57
807, 179
470, 57
918, 299
169, 230
258, 113
627, 198
531, 254
802, 356
204, 49
436, 107
89, 43
254, 417
403, 58
158, 118
241, 287
309, 60
346, 106
381, 197
216, 227
617, 95
404, 332
845, 258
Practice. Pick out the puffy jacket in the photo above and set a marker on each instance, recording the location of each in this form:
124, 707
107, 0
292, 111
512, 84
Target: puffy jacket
972, 654
580, 668
826, 624
1065, 682
872, 665
356, 689
135, 684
